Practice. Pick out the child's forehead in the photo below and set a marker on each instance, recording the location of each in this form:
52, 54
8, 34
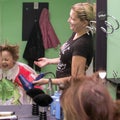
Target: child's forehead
6, 53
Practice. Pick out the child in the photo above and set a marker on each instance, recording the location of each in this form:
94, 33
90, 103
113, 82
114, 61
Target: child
12, 91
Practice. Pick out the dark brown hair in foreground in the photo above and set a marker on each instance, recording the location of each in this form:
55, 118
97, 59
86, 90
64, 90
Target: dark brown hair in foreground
87, 98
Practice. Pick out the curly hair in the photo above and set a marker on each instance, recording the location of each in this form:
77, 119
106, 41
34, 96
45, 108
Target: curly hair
12, 49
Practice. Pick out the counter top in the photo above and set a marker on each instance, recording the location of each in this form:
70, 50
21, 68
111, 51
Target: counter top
24, 112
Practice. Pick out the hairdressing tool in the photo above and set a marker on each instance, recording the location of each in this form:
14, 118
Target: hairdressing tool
43, 100
32, 93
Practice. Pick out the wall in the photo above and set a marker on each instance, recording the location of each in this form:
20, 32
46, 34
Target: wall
113, 41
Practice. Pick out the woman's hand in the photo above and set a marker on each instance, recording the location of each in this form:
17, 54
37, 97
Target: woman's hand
42, 62
42, 81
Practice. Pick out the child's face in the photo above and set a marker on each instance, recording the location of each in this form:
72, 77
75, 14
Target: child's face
7, 60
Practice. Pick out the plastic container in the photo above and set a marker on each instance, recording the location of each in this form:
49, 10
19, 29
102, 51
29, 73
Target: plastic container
53, 104
58, 109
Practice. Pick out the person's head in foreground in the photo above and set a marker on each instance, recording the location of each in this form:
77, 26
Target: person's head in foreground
87, 98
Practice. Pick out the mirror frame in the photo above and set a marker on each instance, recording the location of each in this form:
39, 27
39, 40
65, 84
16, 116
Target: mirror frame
101, 37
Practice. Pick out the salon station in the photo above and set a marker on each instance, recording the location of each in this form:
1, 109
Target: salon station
22, 22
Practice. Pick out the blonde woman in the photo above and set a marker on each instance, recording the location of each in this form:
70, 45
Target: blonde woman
76, 53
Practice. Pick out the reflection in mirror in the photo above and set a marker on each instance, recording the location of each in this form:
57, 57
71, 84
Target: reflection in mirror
92, 28
91, 1
11, 88
10, 29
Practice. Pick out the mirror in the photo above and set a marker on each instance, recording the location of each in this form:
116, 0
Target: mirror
11, 24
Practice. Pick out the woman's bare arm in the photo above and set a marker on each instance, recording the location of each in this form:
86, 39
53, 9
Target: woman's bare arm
78, 68
41, 62
78, 65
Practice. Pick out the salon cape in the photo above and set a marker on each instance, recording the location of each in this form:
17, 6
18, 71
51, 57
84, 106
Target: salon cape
12, 77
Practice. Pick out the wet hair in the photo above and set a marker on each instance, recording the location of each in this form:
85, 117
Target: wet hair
85, 11
117, 109
87, 98
12, 49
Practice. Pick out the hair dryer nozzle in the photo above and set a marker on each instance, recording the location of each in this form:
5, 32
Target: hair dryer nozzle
25, 83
